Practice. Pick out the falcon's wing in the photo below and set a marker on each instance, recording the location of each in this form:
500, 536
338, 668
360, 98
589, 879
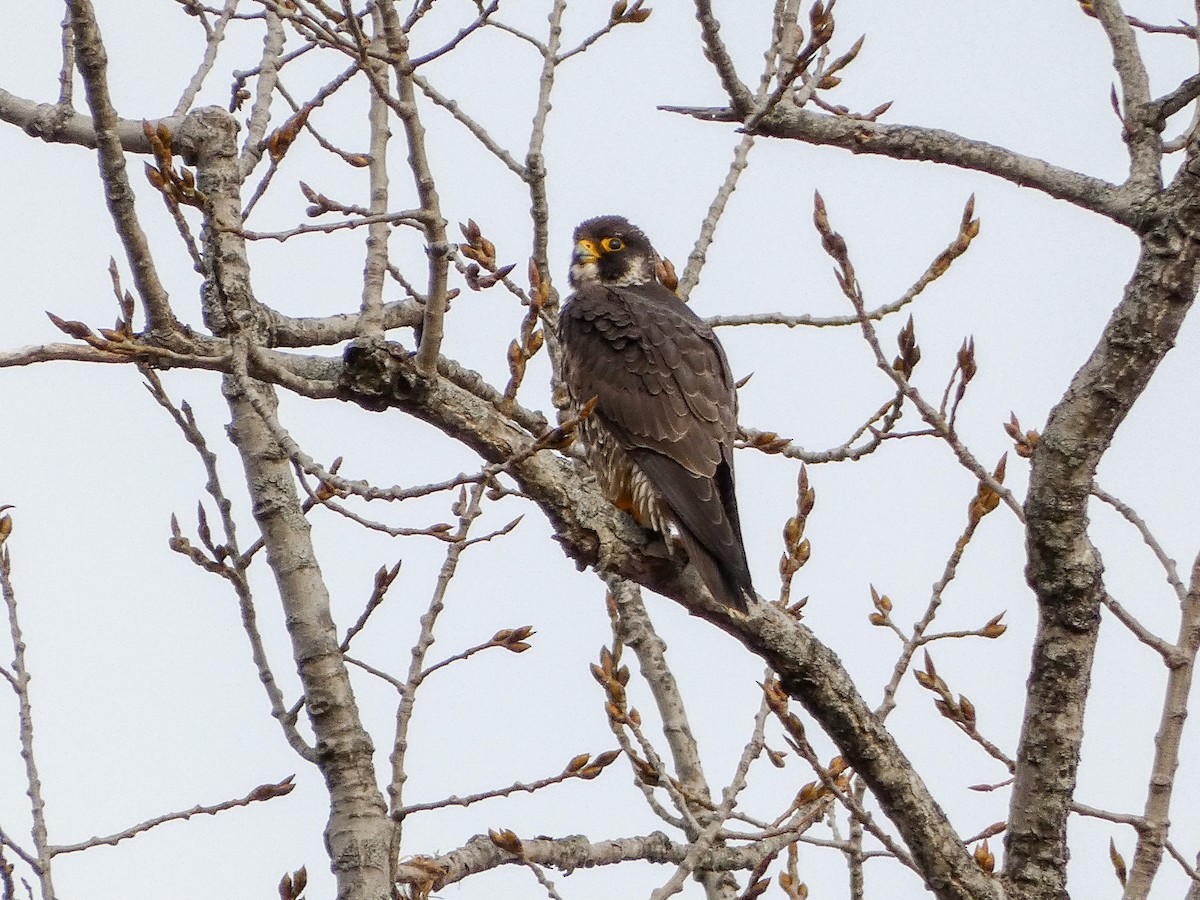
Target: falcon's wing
662, 379
665, 392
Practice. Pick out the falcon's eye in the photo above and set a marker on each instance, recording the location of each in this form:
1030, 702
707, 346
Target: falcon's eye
612, 243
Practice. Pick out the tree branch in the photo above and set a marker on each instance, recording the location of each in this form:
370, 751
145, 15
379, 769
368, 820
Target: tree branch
357, 832
935, 145
718, 54
1142, 124
20, 683
1064, 570
1153, 837
92, 60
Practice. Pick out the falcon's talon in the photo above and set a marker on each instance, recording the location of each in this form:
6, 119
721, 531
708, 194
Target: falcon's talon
661, 435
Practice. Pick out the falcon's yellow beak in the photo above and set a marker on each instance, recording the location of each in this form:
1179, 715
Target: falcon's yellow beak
586, 252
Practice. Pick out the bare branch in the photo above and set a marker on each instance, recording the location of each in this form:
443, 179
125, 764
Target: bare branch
214, 34
1167, 744
1168, 651
1143, 529
518, 787
20, 677
637, 632
259, 794
1064, 569
433, 225
462, 34
375, 268
835, 246
268, 75
1142, 126
715, 50
535, 163
934, 145
357, 818
66, 75
93, 67
452, 106
913, 641
235, 570
708, 228
469, 509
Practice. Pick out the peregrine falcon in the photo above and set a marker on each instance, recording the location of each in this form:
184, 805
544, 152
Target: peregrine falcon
660, 437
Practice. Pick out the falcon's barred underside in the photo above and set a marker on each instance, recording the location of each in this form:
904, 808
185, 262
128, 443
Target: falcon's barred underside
660, 437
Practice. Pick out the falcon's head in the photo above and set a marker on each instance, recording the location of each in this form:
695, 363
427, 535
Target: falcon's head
609, 250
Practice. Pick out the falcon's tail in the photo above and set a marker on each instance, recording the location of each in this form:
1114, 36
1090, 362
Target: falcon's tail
731, 588
704, 511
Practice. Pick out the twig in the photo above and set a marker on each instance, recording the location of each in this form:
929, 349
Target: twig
795, 728
535, 165
1134, 821
21, 853
66, 77
835, 245
1193, 872
384, 579
214, 35
234, 564
637, 632
433, 225
1168, 651
480, 133
739, 94
462, 34
1148, 538
268, 75
404, 216
515, 788
375, 267
1167, 745
20, 673
708, 228
92, 60
469, 509
1142, 136
540, 874
915, 640
260, 793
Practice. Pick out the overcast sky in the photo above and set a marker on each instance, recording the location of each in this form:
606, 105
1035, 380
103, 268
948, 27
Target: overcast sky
146, 699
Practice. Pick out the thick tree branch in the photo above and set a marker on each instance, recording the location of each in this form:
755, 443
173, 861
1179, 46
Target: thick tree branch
1064, 567
481, 854
591, 531
358, 830
935, 145
324, 331
56, 124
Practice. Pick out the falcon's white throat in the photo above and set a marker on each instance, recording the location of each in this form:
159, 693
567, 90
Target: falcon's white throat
586, 270
583, 272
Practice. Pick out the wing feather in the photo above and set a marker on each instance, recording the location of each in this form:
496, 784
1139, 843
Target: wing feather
666, 393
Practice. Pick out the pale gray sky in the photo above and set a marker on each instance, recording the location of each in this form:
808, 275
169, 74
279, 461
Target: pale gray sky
146, 699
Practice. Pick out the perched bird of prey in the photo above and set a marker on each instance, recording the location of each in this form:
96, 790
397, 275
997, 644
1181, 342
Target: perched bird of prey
660, 437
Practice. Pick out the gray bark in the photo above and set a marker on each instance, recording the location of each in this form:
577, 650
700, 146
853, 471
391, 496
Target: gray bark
358, 831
